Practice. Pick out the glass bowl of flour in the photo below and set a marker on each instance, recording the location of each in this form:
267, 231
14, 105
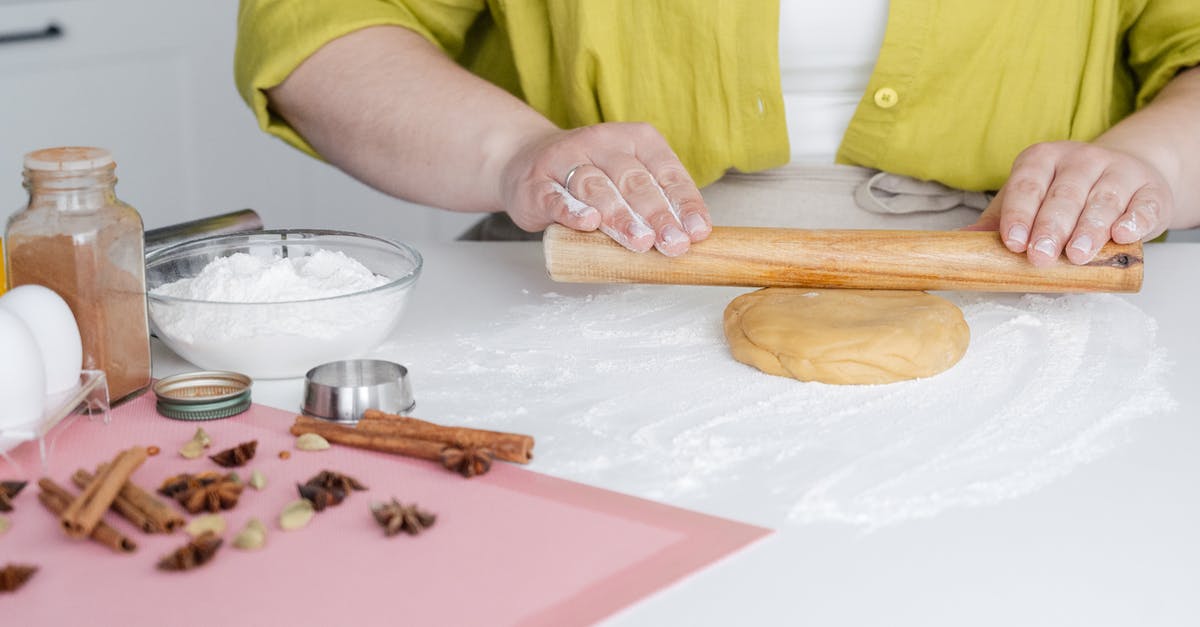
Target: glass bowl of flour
273, 304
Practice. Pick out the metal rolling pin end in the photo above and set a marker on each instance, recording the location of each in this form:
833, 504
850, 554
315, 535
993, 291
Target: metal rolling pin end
239, 221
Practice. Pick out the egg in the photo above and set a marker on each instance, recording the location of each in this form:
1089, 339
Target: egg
54, 329
22, 375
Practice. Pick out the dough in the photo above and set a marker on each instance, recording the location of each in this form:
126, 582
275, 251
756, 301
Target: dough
846, 336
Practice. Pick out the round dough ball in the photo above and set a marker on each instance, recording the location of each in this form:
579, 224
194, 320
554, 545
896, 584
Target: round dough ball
846, 336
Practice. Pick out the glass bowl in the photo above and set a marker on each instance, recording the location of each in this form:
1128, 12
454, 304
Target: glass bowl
284, 339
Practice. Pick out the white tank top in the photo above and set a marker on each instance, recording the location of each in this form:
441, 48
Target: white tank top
827, 51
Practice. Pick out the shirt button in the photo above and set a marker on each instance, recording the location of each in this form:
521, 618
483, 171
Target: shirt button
886, 97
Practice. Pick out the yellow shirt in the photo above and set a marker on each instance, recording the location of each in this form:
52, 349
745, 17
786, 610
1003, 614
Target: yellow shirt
959, 88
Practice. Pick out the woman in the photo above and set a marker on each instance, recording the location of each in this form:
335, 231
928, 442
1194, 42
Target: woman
611, 115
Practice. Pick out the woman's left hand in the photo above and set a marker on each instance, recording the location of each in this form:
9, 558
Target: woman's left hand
1075, 197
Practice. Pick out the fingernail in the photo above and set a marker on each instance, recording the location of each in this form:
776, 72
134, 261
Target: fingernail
616, 235
1046, 247
694, 223
1018, 234
584, 212
1129, 224
637, 230
1083, 244
672, 235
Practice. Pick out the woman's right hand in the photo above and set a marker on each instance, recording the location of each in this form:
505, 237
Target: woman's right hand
619, 177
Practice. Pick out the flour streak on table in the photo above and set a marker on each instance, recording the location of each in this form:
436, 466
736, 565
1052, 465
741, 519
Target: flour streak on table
635, 386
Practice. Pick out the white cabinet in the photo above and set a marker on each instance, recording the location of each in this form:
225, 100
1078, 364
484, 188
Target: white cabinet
152, 80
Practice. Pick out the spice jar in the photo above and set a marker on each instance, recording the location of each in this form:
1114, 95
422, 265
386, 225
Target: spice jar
76, 238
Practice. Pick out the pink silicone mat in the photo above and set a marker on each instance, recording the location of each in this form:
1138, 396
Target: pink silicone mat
512, 547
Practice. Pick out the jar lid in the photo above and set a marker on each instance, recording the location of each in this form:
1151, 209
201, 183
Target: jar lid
68, 158
203, 395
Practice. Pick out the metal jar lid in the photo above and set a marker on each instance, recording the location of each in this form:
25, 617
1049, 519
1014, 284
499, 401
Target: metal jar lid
203, 395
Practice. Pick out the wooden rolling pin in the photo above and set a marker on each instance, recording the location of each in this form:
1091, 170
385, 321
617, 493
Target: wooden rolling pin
893, 260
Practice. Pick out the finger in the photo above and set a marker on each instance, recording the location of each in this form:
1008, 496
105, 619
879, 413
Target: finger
1105, 202
547, 202
989, 220
638, 187
679, 188
1143, 217
1031, 174
567, 210
685, 199
1060, 210
590, 185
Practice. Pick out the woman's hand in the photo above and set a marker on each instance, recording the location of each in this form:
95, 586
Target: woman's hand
619, 177
1075, 197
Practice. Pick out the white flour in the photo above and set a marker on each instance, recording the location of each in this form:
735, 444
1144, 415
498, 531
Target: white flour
635, 386
249, 323
243, 278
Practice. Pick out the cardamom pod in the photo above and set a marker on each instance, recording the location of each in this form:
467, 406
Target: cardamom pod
191, 450
253, 536
205, 523
258, 481
296, 515
5, 524
202, 437
311, 442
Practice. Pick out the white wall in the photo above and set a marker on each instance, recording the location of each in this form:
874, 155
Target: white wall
152, 80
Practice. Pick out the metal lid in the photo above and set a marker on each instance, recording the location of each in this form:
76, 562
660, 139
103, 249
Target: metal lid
203, 395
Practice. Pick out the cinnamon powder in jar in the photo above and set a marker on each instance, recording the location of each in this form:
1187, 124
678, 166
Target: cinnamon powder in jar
76, 238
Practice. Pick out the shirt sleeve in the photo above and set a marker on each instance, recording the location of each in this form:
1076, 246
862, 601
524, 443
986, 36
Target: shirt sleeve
276, 36
1164, 39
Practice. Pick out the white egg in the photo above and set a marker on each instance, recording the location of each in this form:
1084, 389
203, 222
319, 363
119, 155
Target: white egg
22, 376
54, 329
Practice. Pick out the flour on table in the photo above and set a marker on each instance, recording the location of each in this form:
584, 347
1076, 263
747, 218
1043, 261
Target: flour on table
1047, 384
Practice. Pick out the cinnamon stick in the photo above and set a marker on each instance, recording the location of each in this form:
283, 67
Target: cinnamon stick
82, 479
84, 512
55, 498
139, 507
510, 447
382, 442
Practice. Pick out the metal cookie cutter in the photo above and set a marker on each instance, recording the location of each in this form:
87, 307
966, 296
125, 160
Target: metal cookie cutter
340, 391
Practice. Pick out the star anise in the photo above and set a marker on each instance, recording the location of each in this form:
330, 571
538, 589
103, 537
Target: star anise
210, 491
320, 496
236, 456
185, 482
469, 461
328, 479
218, 496
8, 491
199, 551
13, 576
328, 488
394, 518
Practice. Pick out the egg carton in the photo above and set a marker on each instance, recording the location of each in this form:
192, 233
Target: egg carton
88, 398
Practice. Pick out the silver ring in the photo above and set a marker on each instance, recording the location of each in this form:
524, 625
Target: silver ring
570, 173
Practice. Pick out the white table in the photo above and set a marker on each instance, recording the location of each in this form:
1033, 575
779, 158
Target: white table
1117, 542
